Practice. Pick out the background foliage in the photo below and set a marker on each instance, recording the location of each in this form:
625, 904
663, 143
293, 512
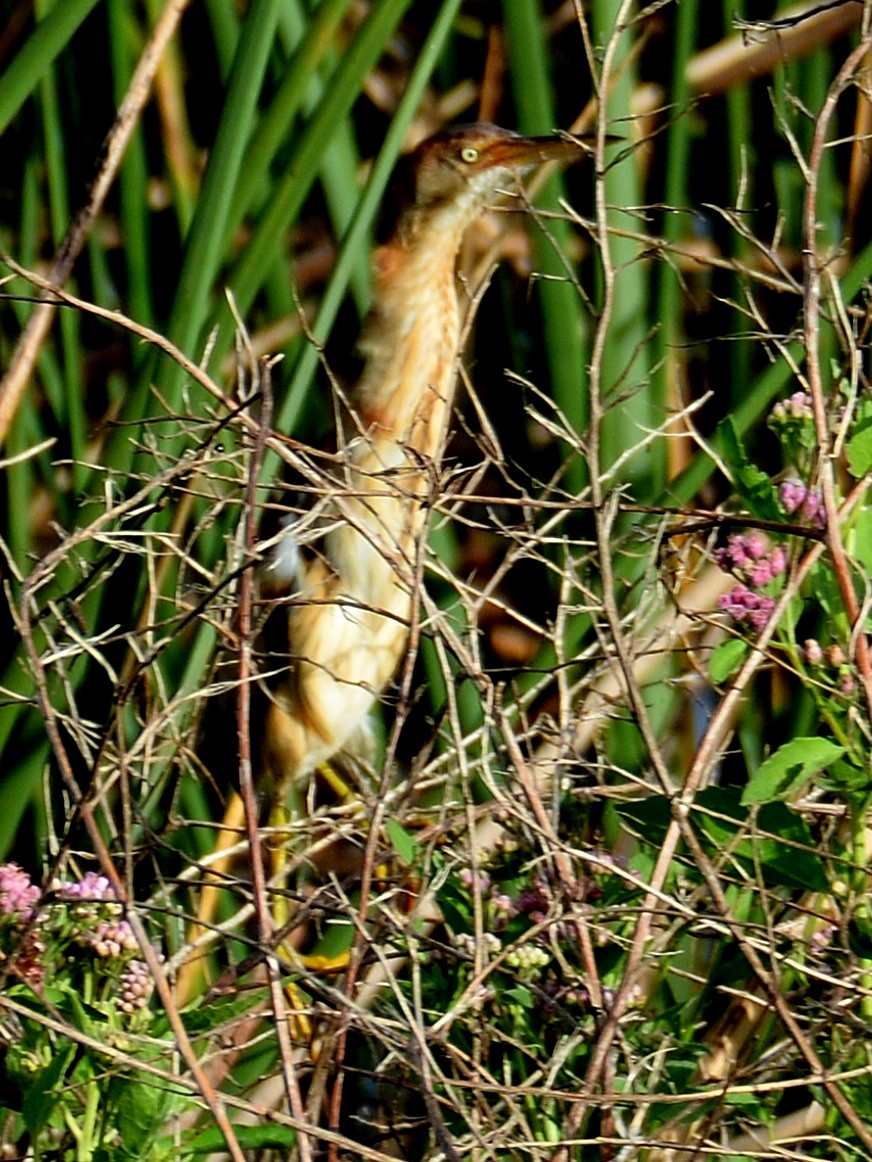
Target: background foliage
607, 892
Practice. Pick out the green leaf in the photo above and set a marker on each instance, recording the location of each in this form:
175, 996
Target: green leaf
249, 1138
726, 659
42, 1098
858, 450
402, 842
789, 767
336, 941
519, 995
141, 1111
221, 1010
648, 818
455, 907
861, 542
778, 846
748, 1101
754, 486
844, 777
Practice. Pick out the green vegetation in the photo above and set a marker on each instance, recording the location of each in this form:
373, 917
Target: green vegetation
604, 884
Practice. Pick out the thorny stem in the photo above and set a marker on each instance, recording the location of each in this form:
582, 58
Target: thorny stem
827, 456
246, 775
600, 1053
812, 296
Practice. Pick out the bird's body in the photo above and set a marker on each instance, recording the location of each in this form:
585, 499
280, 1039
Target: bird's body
346, 606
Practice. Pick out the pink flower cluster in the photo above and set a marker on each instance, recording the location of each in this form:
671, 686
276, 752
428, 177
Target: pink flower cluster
751, 558
743, 605
109, 938
797, 407
86, 912
18, 900
18, 896
91, 887
800, 500
97, 916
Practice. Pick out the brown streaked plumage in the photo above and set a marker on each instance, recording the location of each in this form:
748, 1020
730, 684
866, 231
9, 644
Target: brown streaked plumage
347, 608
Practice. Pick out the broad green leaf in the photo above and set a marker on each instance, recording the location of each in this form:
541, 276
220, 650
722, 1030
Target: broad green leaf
790, 766
754, 486
726, 659
520, 995
249, 1138
141, 1111
402, 842
455, 907
861, 543
844, 777
335, 943
41, 1098
776, 844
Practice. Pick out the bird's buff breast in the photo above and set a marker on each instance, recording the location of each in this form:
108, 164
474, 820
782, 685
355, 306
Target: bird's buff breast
348, 626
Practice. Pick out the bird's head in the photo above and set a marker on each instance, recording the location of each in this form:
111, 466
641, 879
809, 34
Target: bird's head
458, 172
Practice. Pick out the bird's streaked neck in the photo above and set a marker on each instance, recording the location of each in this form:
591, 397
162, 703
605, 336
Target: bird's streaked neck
410, 341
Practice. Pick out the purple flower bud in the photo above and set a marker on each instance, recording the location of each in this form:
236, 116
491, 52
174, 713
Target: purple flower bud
812, 651
134, 986
792, 494
835, 655
760, 616
822, 938
757, 546
738, 551
722, 559
91, 887
109, 938
743, 605
469, 879
778, 560
801, 405
737, 602
814, 510
760, 574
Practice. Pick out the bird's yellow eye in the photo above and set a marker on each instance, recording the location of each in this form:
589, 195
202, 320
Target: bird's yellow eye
469, 154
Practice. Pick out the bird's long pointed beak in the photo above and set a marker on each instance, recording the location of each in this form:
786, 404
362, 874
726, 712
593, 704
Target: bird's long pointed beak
518, 152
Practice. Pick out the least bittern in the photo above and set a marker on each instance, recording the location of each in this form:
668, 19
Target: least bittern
347, 605
341, 607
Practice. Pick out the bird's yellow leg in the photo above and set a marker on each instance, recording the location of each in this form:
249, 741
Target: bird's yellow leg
280, 818
191, 974
336, 783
